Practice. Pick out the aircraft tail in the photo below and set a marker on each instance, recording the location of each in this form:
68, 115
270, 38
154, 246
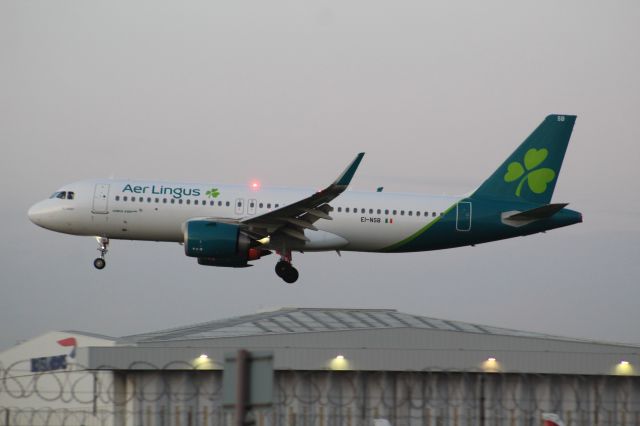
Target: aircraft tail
531, 172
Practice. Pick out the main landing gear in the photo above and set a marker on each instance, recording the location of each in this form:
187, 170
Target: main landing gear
285, 270
103, 243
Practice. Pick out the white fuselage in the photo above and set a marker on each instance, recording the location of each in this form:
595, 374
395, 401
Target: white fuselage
156, 211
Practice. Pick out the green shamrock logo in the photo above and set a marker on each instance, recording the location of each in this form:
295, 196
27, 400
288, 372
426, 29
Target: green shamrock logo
212, 193
537, 179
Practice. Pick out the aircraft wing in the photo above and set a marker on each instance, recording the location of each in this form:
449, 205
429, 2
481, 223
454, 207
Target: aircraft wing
291, 220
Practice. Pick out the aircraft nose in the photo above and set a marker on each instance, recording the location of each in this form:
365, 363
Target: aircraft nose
35, 213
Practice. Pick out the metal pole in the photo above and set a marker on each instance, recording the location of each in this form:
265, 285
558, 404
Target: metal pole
242, 386
481, 402
95, 394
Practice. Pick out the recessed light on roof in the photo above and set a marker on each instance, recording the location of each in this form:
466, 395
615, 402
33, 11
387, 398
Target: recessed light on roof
203, 356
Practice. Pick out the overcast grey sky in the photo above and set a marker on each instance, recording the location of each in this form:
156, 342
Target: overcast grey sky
437, 93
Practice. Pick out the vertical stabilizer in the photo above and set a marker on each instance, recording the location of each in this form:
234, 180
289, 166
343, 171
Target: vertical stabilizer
531, 172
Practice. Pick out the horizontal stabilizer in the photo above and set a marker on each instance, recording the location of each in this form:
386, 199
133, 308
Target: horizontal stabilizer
538, 213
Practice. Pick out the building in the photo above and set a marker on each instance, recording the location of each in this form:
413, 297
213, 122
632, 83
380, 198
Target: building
350, 366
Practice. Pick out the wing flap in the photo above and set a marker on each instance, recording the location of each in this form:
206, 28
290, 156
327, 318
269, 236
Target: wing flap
292, 219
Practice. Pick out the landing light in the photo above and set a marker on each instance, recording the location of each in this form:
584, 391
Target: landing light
254, 185
264, 240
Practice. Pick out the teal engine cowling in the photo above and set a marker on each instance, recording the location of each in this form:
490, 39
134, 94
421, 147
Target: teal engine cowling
219, 244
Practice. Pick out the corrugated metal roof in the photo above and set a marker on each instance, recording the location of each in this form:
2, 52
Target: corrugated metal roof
307, 320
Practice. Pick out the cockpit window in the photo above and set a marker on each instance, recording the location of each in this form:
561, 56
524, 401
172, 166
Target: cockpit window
64, 195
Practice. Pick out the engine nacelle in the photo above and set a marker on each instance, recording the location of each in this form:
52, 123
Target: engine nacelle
219, 244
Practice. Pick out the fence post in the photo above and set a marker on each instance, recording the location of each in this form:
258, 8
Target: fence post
292, 417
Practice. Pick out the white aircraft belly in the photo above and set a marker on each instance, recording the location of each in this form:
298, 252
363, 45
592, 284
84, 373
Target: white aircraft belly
367, 236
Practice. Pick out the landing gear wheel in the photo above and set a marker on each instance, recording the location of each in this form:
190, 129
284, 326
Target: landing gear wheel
103, 244
291, 275
99, 263
281, 268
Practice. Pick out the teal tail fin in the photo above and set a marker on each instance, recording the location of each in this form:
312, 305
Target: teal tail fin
531, 172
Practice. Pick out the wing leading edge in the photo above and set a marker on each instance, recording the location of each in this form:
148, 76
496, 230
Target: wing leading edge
291, 220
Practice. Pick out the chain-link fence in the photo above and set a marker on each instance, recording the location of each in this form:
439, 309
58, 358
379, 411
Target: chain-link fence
179, 395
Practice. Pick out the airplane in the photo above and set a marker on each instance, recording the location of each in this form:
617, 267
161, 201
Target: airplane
233, 225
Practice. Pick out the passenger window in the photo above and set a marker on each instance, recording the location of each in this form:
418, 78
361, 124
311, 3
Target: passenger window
410, 213
148, 199
164, 201
227, 204
117, 198
386, 211
277, 205
261, 205
362, 210
141, 199
268, 205
379, 211
417, 213
124, 198
395, 212
133, 199
433, 214
339, 209
251, 204
370, 211
180, 201
188, 201
173, 201
157, 200
211, 203
346, 209
401, 212
195, 202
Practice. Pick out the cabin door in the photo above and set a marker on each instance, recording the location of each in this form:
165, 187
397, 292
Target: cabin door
463, 216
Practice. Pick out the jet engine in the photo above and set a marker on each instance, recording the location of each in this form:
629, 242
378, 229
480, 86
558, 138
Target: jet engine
219, 244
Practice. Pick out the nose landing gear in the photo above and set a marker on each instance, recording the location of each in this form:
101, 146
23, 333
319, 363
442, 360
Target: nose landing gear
285, 270
103, 243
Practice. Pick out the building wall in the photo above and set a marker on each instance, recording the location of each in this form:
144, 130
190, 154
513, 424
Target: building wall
61, 392
356, 398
